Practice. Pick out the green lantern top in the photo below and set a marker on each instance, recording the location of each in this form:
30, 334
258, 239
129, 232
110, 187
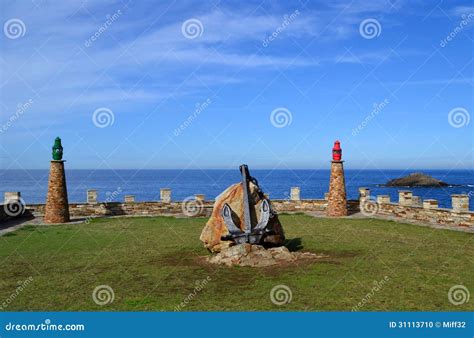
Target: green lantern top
57, 150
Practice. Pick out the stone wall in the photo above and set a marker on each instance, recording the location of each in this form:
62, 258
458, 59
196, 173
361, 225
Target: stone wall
435, 216
409, 207
413, 208
176, 208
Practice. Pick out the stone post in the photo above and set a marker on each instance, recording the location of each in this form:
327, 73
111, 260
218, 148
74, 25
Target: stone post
364, 194
57, 205
430, 204
405, 198
383, 199
460, 202
13, 205
11, 196
92, 196
165, 195
129, 198
326, 196
295, 194
200, 197
337, 199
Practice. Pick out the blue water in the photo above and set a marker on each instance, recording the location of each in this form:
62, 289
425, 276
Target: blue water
146, 184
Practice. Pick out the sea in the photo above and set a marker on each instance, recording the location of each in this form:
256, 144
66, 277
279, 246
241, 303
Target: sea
146, 184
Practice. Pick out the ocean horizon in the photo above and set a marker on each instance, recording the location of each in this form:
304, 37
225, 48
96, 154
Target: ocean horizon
145, 184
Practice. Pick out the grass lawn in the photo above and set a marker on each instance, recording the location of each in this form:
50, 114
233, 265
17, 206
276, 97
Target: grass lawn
154, 264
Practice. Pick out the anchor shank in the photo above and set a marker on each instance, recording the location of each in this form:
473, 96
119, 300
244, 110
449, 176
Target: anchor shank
245, 183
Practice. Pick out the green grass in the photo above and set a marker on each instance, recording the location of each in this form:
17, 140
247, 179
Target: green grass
154, 263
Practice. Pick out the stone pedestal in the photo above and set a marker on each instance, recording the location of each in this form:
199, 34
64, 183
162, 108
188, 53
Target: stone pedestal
295, 194
10, 196
364, 194
337, 200
405, 198
129, 198
92, 196
460, 202
165, 195
57, 206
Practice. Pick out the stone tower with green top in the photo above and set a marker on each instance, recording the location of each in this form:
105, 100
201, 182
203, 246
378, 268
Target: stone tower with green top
57, 205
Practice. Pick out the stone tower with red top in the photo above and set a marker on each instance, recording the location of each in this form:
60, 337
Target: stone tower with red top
337, 199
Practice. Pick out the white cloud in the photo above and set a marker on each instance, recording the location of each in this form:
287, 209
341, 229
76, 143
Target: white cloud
140, 52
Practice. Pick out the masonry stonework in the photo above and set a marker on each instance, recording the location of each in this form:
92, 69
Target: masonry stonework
129, 198
92, 196
460, 202
405, 197
428, 214
295, 194
57, 206
12, 196
165, 195
364, 194
337, 200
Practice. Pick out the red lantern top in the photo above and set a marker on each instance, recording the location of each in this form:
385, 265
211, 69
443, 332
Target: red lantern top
337, 151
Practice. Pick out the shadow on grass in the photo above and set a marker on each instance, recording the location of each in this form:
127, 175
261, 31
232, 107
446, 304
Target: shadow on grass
14, 221
294, 244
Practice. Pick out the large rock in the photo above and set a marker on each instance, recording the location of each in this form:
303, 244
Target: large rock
416, 180
215, 227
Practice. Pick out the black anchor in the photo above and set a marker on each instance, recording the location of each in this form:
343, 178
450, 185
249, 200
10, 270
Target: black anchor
251, 234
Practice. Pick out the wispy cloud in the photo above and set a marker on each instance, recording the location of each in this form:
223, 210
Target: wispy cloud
459, 11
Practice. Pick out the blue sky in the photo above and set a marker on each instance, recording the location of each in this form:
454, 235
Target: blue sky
212, 84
